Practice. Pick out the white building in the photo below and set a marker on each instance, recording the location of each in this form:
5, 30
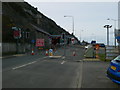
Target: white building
118, 31
119, 15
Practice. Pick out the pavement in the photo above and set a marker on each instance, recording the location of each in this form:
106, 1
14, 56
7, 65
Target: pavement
15, 55
91, 59
94, 76
40, 52
40, 71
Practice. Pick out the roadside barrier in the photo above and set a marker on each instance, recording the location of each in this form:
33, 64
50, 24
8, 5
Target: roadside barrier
97, 56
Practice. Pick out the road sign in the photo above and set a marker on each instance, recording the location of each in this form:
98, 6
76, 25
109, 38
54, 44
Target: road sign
51, 50
72, 39
16, 32
40, 42
14, 28
33, 41
118, 38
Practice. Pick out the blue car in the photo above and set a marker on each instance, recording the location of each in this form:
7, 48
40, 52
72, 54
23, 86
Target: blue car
113, 72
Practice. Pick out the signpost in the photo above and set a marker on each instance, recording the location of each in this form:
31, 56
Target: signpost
64, 39
17, 36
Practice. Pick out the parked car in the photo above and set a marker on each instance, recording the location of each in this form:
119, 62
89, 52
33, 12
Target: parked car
101, 45
113, 71
88, 46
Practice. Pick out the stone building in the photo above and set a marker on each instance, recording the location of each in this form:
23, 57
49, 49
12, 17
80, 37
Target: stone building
29, 34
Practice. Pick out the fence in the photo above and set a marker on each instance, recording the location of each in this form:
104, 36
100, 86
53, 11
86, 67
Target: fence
111, 52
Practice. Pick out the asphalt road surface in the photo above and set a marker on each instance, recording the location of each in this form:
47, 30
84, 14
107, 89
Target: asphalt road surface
40, 71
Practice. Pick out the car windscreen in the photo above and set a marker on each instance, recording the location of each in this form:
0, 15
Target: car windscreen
117, 59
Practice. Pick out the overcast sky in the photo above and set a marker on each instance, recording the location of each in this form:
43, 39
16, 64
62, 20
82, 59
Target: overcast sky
89, 17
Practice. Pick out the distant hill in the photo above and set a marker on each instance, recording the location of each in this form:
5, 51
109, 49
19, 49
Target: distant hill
21, 14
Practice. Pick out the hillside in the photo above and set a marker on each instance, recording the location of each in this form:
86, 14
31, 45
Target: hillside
21, 14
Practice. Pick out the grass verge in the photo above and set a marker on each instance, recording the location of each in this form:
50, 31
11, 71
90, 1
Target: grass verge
101, 57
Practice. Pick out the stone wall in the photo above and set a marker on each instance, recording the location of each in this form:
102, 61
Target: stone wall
8, 47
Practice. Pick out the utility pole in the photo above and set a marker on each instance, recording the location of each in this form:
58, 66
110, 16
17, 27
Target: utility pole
64, 39
107, 26
72, 22
114, 30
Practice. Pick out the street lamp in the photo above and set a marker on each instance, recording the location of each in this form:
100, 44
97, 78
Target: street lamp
92, 37
107, 26
72, 22
81, 35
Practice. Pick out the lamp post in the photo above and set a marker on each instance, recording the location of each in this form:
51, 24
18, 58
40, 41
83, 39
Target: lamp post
72, 22
72, 26
107, 26
92, 36
81, 35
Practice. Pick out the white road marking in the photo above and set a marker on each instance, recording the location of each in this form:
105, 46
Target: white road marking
44, 57
24, 65
41, 58
28, 63
79, 83
63, 62
63, 57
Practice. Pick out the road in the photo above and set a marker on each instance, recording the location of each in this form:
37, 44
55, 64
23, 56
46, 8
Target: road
39, 71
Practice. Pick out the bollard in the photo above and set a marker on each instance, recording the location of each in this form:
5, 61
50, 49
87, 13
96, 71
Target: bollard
74, 53
46, 52
50, 52
32, 52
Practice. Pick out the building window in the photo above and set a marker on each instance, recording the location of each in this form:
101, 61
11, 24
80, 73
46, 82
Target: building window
27, 34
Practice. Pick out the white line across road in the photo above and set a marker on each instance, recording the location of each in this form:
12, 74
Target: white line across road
27, 63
